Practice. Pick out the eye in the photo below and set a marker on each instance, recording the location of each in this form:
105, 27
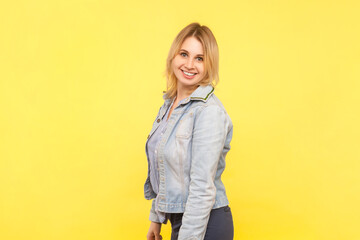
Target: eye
183, 54
199, 58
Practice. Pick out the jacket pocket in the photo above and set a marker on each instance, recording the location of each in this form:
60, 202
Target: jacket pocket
185, 128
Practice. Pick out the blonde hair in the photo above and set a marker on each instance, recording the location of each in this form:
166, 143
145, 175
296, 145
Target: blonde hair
211, 56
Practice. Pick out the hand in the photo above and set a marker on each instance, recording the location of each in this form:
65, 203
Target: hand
154, 231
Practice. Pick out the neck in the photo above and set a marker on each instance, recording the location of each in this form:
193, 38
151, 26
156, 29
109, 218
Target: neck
184, 92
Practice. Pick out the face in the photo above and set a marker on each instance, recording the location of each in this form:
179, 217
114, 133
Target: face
188, 64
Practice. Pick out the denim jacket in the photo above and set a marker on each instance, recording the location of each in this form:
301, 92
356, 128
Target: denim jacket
191, 158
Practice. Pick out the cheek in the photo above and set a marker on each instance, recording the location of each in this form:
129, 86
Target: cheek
175, 63
201, 68
173, 66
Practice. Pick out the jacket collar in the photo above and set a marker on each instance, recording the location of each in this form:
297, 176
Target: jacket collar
202, 93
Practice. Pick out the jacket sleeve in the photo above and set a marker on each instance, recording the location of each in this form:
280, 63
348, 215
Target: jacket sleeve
209, 135
153, 216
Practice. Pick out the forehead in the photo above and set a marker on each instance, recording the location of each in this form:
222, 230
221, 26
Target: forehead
192, 45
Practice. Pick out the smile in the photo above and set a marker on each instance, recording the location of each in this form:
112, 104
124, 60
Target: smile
188, 74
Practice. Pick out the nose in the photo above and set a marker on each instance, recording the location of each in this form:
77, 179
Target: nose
189, 63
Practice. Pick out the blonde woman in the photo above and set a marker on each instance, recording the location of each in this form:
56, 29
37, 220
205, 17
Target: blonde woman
187, 145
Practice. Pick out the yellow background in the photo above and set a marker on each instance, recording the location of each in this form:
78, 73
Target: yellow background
81, 82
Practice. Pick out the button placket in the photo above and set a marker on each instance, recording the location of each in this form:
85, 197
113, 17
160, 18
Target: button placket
161, 166
160, 159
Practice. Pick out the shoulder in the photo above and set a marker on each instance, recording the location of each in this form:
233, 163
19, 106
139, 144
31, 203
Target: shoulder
211, 111
213, 104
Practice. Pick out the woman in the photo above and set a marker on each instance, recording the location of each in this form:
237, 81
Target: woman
187, 145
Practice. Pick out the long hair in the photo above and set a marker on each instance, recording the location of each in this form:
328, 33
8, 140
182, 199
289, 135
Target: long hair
211, 56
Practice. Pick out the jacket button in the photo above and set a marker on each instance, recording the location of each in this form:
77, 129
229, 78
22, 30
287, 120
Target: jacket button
158, 120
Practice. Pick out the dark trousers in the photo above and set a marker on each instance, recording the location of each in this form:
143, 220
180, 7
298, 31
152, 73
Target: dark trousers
220, 225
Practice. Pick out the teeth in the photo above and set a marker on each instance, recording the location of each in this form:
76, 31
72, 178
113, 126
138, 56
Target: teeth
189, 74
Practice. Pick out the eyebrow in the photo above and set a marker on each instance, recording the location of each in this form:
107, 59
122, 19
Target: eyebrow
188, 52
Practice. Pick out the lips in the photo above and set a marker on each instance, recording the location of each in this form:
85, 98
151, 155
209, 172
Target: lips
188, 75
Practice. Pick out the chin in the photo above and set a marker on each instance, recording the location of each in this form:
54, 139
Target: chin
189, 83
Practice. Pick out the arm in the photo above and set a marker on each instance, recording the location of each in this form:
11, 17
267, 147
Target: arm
155, 225
153, 216
209, 134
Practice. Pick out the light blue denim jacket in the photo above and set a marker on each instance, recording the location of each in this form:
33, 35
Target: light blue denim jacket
191, 159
